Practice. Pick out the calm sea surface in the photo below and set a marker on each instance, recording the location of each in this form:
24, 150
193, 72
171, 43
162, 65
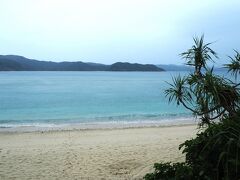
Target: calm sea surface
55, 98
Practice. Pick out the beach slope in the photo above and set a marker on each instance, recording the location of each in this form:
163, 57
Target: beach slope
90, 154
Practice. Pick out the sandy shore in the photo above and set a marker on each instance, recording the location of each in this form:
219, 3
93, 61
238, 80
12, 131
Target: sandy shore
90, 154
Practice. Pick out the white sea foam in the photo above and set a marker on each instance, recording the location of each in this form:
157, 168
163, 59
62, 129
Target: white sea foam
24, 127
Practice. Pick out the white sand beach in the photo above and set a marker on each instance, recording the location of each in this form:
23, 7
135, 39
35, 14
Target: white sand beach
90, 154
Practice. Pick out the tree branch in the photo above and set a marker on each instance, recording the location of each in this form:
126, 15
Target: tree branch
196, 112
218, 115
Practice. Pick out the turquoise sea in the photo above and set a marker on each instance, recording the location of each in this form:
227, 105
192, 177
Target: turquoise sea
61, 98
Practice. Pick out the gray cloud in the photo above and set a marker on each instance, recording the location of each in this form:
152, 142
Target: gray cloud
153, 31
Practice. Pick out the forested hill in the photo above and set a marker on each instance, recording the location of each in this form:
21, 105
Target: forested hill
20, 63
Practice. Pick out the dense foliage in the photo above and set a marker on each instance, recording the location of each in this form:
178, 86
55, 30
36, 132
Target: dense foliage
214, 153
170, 171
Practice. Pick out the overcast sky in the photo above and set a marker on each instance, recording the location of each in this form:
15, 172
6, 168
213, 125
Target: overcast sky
106, 31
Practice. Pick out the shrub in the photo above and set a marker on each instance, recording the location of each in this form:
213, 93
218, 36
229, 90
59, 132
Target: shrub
213, 154
180, 171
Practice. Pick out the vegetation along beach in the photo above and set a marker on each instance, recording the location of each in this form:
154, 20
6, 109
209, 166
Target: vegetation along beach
119, 90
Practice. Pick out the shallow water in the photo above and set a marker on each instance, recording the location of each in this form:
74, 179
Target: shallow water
55, 98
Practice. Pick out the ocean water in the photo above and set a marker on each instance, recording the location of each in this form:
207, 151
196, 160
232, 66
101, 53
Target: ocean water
60, 98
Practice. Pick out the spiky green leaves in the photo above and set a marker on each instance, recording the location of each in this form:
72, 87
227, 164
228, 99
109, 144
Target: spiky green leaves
199, 54
234, 65
205, 94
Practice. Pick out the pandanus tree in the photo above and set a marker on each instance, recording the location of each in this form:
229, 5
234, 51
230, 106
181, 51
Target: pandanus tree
206, 94
199, 54
234, 66
214, 152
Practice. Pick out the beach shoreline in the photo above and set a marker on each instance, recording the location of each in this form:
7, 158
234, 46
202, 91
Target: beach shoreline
122, 153
96, 125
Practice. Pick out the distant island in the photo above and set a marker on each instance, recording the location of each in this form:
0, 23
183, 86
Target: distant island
20, 63
173, 67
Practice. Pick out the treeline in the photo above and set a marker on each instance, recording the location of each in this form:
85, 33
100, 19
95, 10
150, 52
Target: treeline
20, 63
